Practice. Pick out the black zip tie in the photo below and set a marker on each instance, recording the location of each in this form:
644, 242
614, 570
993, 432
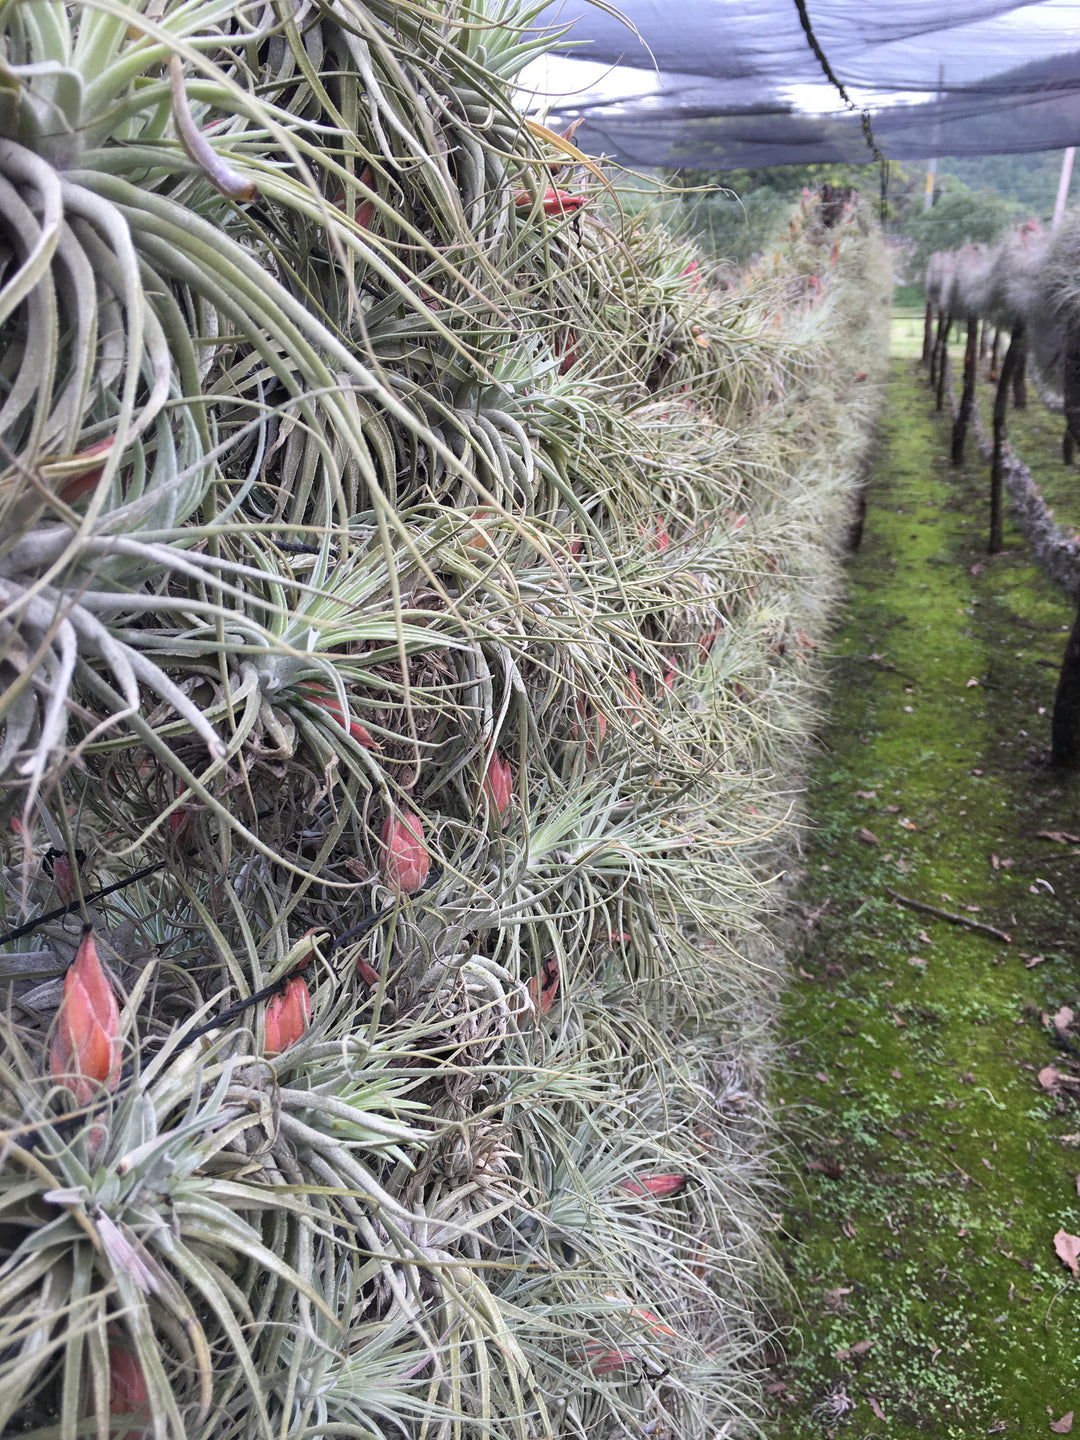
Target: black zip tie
78, 904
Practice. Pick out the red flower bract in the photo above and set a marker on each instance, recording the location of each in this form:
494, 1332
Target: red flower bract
406, 861
658, 1185
85, 1050
319, 695
287, 1017
128, 1393
498, 787
554, 202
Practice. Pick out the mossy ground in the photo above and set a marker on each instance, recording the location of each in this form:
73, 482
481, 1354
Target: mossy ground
930, 1170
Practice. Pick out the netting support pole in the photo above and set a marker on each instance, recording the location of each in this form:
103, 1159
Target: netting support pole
997, 468
938, 346
1065, 724
928, 334
967, 398
982, 340
1019, 380
943, 363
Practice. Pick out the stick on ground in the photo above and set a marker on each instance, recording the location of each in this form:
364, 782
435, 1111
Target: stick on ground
948, 915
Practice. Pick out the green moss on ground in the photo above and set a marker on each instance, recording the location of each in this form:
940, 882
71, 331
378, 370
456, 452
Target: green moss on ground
931, 1170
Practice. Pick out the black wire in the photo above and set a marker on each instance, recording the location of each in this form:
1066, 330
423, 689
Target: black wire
78, 904
834, 79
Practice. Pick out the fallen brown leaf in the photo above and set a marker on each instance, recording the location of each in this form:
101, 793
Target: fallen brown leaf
977, 568
1067, 1249
1052, 1079
866, 794
868, 837
1064, 1425
850, 1351
820, 1075
1033, 960
848, 1227
872, 1401
970, 683
924, 938
1063, 837
1063, 1019
834, 1299
995, 862
806, 974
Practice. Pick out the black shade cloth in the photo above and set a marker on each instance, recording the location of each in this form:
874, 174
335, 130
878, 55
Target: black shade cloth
732, 83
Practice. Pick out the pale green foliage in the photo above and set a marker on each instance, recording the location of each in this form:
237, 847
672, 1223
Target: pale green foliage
405, 472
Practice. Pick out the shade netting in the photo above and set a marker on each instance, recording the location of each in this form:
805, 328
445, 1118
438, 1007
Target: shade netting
732, 83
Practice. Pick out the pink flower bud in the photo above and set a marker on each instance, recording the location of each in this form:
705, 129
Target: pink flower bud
319, 695
64, 876
659, 1185
406, 861
128, 1393
554, 202
498, 787
287, 1017
85, 1050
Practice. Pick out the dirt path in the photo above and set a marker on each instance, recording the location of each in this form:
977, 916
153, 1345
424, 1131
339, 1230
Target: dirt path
935, 1165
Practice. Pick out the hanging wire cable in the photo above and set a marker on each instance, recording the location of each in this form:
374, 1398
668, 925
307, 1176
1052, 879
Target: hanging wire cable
834, 79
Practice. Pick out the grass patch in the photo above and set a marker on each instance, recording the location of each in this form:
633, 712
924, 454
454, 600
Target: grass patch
930, 1169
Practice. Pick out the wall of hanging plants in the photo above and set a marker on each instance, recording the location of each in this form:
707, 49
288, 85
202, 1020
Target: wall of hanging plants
411, 577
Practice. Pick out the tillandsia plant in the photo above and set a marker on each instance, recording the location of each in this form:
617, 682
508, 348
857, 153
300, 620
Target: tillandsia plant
409, 583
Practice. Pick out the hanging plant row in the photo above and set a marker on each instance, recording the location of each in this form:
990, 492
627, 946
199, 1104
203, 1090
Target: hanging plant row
1025, 288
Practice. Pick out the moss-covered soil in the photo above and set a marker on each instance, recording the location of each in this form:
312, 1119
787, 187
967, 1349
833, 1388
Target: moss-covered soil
932, 1164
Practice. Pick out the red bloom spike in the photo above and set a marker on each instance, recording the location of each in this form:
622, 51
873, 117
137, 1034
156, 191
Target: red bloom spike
632, 694
64, 876
498, 786
553, 202
319, 695
659, 1185
86, 480
287, 1017
542, 992
85, 1050
128, 1393
406, 860
603, 1361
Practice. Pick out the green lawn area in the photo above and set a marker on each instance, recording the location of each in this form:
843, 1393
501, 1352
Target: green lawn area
931, 1113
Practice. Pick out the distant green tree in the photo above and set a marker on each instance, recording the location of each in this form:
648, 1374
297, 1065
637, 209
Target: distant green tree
959, 216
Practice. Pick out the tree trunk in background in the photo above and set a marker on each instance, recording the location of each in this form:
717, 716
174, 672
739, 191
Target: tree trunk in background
967, 399
982, 340
1020, 380
943, 363
1065, 726
995, 352
997, 469
1068, 447
928, 334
